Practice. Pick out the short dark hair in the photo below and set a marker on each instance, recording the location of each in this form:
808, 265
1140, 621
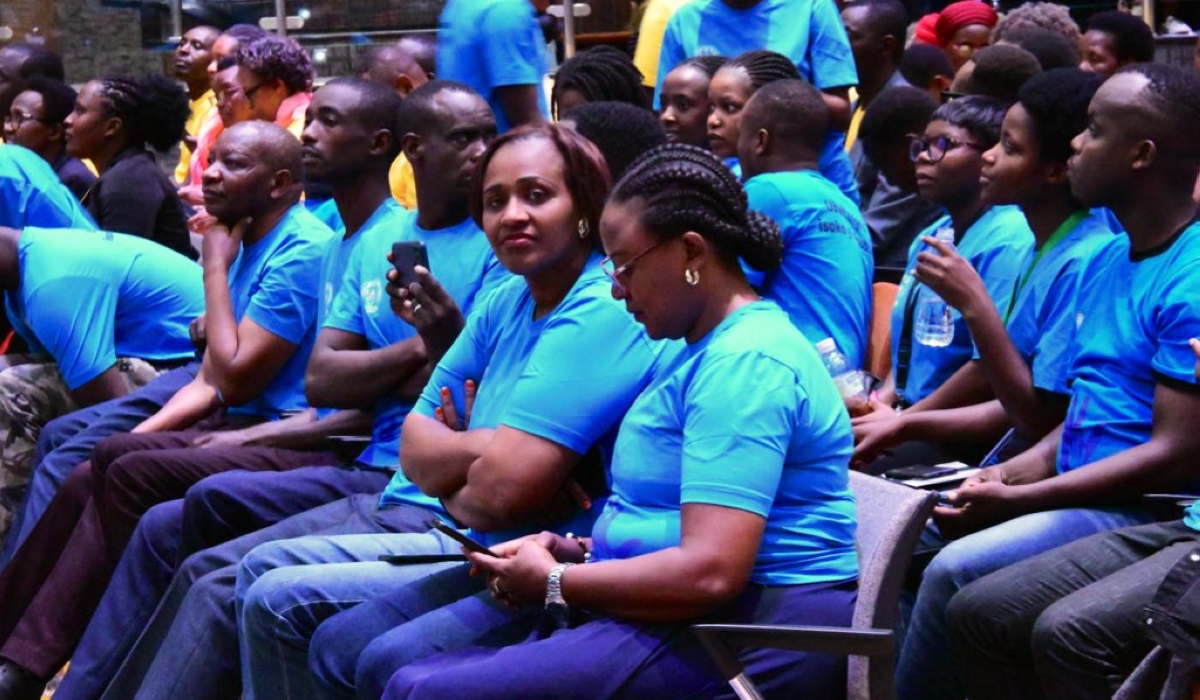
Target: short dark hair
686, 188
1132, 37
892, 115
978, 115
271, 57
1051, 49
58, 98
1057, 103
601, 74
244, 33
37, 61
792, 110
153, 109
1049, 16
922, 63
886, 17
621, 131
586, 173
1173, 93
417, 113
1001, 70
377, 108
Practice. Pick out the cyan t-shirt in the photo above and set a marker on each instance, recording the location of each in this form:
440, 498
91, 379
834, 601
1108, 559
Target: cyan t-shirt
997, 245
31, 194
567, 377
276, 282
487, 44
88, 297
746, 418
824, 284
1134, 315
1042, 321
463, 263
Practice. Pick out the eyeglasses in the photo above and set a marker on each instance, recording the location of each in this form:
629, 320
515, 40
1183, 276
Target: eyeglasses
936, 147
16, 121
249, 93
615, 273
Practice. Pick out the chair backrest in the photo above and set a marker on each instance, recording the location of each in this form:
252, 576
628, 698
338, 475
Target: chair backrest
890, 519
879, 343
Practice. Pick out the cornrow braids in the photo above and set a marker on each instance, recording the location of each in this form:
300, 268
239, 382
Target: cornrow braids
153, 110
708, 64
686, 188
765, 66
600, 74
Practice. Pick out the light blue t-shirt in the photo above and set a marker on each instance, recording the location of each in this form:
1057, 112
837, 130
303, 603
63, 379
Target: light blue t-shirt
1135, 315
780, 451
567, 377
487, 44
461, 260
89, 297
824, 284
1042, 321
996, 245
276, 282
31, 194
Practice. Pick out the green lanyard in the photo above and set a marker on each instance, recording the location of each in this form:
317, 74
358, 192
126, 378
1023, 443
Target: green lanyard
1063, 230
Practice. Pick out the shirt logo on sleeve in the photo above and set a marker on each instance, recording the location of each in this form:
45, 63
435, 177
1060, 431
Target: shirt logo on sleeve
371, 293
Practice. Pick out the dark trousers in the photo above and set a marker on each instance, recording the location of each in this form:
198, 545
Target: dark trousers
1068, 623
67, 441
54, 582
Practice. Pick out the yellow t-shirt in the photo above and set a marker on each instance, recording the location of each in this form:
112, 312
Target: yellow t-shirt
650, 37
402, 182
855, 123
202, 106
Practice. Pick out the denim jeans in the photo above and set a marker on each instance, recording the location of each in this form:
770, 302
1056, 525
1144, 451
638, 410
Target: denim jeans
1069, 623
286, 589
925, 669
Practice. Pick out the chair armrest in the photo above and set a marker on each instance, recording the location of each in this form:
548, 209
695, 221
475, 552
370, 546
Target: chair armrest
816, 639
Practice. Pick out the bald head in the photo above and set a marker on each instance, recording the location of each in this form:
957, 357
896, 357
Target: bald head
270, 144
423, 49
391, 67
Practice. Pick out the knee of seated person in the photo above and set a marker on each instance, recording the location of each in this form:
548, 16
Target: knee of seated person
1056, 633
260, 561
55, 433
379, 669
329, 660
109, 450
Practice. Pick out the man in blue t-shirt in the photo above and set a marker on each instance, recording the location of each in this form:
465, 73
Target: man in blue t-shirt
1130, 426
367, 361
32, 195
496, 48
824, 283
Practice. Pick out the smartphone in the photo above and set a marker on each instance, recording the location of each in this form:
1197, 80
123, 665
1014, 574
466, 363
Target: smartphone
406, 255
919, 471
472, 545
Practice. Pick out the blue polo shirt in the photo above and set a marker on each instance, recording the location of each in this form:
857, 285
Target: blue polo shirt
824, 283
997, 245
1042, 321
779, 451
528, 370
461, 260
1134, 315
88, 297
276, 283
31, 194
488, 44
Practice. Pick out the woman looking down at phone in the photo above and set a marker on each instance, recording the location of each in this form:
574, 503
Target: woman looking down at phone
506, 433
721, 510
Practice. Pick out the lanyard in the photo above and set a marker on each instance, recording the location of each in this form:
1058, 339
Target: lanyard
1064, 229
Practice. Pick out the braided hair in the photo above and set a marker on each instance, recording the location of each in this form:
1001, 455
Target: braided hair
153, 110
765, 67
686, 188
600, 74
709, 65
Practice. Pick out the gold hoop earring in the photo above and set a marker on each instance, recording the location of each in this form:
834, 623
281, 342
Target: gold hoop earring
692, 277
582, 228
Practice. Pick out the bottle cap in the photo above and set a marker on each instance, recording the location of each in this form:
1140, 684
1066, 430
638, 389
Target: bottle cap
827, 345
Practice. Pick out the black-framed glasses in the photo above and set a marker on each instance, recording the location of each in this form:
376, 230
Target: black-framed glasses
17, 120
936, 147
615, 273
249, 93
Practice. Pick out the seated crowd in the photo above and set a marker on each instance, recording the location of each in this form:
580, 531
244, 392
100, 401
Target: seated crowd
250, 408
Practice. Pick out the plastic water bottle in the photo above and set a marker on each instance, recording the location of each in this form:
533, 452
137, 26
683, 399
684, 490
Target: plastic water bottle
849, 380
934, 325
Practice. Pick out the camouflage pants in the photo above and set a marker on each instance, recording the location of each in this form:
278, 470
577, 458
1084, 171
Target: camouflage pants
32, 394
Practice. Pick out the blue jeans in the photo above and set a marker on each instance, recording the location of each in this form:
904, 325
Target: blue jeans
925, 669
127, 627
67, 441
286, 589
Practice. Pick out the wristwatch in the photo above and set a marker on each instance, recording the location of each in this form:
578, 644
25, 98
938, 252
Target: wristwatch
554, 596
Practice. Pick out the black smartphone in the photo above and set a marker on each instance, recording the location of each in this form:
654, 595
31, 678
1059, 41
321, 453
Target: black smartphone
406, 255
472, 545
919, 471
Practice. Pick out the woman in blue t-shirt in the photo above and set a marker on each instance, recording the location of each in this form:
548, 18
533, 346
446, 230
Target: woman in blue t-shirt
684, 100
730, 496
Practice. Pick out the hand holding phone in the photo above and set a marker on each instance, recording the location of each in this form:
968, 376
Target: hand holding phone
406, 255
470, 544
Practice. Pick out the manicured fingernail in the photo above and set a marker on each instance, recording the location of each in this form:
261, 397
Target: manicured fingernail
439, 413
470, 384
446, 391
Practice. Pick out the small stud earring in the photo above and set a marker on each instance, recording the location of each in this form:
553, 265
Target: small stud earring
692, 277
583, 228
